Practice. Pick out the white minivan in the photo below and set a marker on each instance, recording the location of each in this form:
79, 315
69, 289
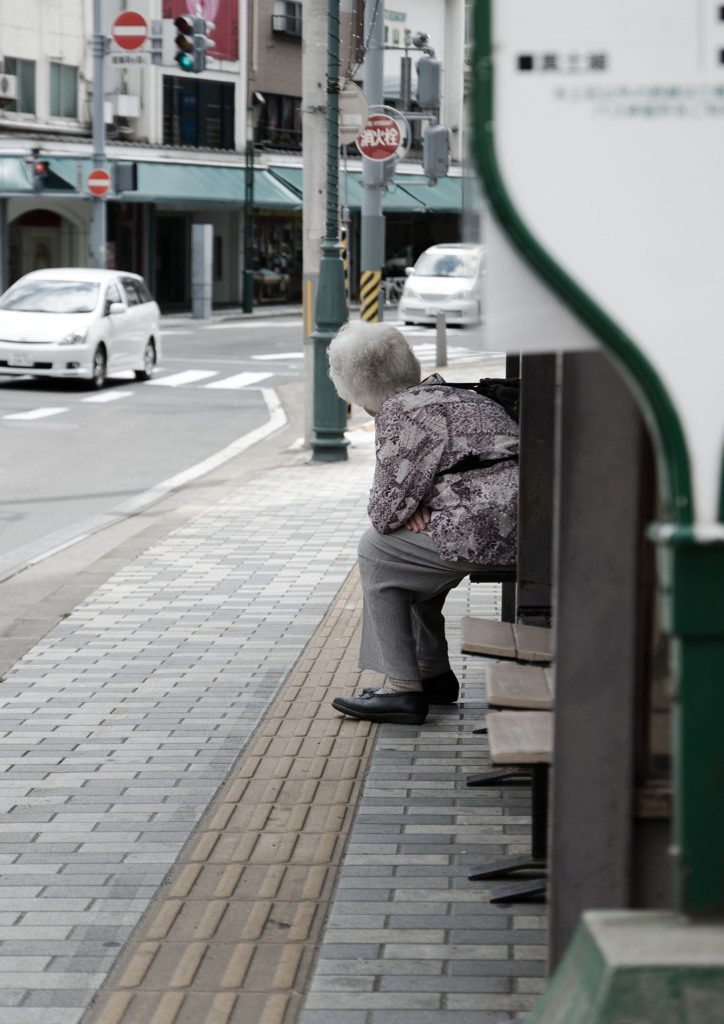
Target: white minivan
79, 323
447, 278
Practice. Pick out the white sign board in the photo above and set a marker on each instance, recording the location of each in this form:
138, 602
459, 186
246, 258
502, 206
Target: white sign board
608, 128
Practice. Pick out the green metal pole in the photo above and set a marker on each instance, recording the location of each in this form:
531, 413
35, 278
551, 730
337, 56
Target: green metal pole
691, 577
330, 412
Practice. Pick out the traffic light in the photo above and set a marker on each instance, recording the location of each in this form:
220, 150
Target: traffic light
41, 170
202, 27
184, 56
192, 42
428, 82
436, 151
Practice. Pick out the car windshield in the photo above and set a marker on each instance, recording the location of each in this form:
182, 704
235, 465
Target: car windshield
447, 264
51, 297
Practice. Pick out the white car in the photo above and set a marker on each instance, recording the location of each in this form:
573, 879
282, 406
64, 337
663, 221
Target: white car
446, 279
79, 323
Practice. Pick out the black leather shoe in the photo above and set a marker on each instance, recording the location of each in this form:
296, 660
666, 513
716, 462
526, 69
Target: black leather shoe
400, 708
442, 689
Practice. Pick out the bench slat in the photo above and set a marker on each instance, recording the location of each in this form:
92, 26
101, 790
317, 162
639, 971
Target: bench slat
519, 686
521, 737
505, 639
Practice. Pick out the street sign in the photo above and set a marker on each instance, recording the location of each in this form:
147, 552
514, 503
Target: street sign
380, 139
129, 30
98, 182
599, 125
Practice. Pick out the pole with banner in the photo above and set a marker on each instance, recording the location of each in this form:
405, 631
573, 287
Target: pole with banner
372, 221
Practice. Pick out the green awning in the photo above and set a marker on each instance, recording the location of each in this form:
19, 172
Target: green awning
183, 183
14, 177
407, 193
445, 196
169, 183
289, 176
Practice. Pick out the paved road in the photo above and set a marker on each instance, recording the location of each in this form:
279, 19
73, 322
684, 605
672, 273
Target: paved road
74, 460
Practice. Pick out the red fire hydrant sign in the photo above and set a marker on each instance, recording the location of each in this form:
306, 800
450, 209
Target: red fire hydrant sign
380, 139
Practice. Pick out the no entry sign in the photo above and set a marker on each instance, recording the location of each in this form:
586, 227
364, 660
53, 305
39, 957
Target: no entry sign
129, 30
380, 139
98, 182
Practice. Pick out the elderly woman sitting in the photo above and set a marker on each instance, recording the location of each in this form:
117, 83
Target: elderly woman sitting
433, 522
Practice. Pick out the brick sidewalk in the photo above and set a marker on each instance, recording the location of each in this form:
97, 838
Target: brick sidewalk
237, 935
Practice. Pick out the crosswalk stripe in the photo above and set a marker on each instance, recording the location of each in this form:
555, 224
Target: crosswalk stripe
107, 396
176, 380
239, 380
270, 356
35, 414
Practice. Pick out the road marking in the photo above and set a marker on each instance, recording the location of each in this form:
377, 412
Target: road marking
35, 414
177, 380
280, 355
248, 324
239, 380
107, 396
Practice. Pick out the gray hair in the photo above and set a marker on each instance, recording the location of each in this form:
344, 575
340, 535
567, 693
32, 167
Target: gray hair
369, 363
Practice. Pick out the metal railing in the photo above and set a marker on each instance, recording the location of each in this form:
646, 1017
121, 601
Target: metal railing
287, 24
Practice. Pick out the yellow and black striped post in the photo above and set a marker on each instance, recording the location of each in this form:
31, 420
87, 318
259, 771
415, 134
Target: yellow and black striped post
345, 264
369, 293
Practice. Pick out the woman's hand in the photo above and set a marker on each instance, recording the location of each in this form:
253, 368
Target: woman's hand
419, 520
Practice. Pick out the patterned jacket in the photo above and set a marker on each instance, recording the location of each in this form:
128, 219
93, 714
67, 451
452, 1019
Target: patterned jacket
426, 429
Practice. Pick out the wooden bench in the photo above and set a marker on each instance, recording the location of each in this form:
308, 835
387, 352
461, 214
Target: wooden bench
505, 574
508, 685
522, 738
506, 639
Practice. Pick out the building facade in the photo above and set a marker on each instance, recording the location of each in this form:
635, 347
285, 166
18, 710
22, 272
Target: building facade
223, 147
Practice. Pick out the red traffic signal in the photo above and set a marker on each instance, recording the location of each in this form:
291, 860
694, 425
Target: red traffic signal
41, 169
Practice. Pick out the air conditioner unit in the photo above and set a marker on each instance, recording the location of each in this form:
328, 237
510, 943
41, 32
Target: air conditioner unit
127, 106
8, 87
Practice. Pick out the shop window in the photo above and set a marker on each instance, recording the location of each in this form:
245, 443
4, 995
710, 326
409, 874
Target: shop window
279, 125
63, 90
24, 71
198, 113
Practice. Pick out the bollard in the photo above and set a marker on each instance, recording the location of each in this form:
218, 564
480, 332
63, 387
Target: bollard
441, 341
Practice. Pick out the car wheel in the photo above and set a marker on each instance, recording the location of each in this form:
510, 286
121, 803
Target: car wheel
100, 366
149, 361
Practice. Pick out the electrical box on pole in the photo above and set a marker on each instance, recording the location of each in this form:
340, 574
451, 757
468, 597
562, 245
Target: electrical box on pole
429, 70
201, 43
436, 151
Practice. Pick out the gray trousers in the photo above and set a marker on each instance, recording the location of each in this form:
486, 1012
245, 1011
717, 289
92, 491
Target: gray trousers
404, 586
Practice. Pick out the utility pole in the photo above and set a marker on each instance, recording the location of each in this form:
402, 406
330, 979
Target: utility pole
372, 242
98, 223
314, 132
330, 412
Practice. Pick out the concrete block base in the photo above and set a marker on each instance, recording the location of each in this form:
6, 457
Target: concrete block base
638, 967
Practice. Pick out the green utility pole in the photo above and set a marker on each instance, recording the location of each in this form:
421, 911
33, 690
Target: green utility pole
330, 412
